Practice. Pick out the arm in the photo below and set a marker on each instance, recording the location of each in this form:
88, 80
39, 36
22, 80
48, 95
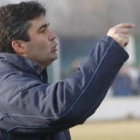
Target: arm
61, 105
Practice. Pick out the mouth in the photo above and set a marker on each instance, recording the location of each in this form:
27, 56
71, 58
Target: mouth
54, 48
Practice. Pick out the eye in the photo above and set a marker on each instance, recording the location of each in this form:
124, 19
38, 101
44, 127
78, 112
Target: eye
42, 30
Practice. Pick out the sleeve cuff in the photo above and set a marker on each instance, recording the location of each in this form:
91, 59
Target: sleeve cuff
116, 46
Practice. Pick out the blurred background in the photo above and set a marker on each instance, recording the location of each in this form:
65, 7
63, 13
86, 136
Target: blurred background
79, 24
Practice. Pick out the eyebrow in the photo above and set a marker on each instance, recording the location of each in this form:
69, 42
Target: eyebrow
43, 26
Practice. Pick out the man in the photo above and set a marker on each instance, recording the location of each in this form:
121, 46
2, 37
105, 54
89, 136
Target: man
32, 109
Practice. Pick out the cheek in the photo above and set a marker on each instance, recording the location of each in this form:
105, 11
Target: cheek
40, 47
43, 50
44, 43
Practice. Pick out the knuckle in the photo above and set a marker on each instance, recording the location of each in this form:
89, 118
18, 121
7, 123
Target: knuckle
115, 31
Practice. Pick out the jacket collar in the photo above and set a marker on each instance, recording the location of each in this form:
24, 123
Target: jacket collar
21, 63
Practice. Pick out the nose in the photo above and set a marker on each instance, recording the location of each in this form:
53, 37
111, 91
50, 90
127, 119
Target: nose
52, 35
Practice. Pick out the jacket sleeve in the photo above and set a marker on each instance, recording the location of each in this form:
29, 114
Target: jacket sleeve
55, 107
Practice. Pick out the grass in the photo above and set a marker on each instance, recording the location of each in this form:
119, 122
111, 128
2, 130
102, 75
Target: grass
118, 130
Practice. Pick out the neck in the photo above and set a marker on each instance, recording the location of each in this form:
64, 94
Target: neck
43, 66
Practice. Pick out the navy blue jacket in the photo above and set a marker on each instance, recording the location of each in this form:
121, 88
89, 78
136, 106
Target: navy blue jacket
32, 109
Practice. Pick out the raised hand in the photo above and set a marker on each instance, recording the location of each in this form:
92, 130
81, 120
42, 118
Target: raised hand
120, 33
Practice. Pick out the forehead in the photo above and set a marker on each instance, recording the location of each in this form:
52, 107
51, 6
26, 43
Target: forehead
36, 23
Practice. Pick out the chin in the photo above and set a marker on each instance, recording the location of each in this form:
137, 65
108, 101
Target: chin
55, 57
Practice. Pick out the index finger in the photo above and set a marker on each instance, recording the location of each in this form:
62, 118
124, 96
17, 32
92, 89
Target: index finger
125, 25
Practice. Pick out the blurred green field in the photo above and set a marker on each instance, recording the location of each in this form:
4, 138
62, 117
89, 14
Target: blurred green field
118, 130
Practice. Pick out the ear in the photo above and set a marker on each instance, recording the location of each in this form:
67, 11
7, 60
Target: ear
18, 46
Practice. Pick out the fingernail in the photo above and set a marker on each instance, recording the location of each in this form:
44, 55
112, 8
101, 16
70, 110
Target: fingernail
133, 25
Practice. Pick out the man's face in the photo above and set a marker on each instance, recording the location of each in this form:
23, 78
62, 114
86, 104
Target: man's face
41, 47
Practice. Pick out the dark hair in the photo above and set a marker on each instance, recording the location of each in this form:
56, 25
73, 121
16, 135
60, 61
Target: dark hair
14, 22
